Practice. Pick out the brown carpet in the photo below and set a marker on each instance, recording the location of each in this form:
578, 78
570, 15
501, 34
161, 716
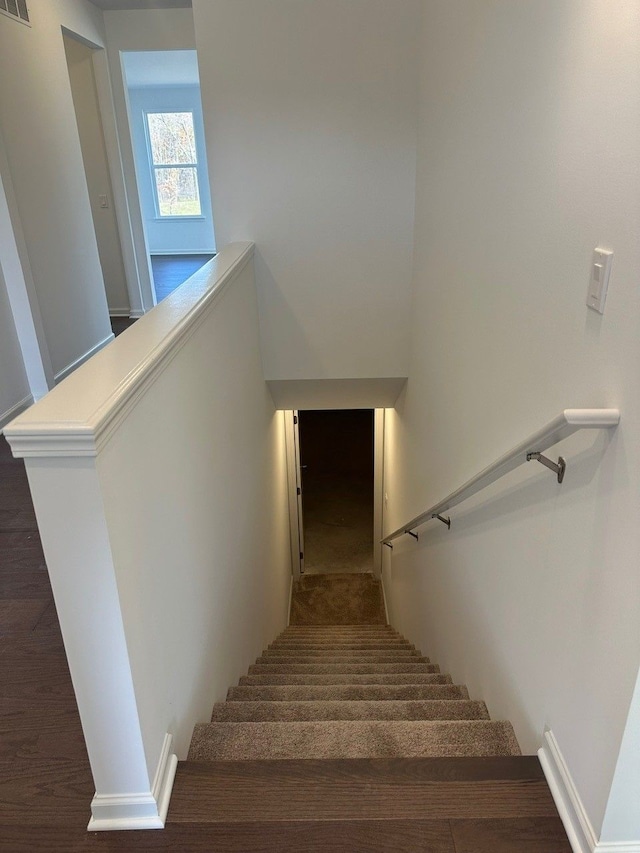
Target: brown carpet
233, 741
339, 683
337, 599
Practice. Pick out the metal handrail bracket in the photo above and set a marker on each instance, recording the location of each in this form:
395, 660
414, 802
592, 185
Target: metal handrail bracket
568, 422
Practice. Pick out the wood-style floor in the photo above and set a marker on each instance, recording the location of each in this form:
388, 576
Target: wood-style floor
170, 271
402, 805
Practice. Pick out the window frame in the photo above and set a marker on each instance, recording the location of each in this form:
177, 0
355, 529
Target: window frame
176, 217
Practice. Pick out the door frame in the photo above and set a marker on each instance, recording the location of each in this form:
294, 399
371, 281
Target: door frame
294, 482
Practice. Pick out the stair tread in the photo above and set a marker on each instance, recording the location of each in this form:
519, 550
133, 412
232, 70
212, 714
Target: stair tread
375, 654
346, 646
351, 739
349, 710
360, 789
343, 668
342, 659
357, 692
351, 678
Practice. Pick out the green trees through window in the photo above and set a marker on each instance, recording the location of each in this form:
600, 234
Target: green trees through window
174, 162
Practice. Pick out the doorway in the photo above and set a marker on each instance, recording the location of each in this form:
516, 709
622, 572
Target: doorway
82, 79
336, 459
167, 134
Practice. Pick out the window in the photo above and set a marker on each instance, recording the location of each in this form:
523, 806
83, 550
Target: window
174, 163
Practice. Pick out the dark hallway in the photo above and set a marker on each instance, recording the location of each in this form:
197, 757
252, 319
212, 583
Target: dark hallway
336, 452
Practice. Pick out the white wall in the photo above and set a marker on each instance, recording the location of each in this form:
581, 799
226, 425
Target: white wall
45, 162
94, 156
201, 542
149, 29
171, 235
162, 461
310, 120
14, 387
528, 159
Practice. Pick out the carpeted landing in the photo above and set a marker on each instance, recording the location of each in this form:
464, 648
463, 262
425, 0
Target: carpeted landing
337, 599
354, 690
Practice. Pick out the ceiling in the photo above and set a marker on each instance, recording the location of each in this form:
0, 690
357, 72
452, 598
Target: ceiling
120, 5
161, 68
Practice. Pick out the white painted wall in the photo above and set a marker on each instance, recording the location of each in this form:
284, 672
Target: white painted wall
139, 30
171, 235
21, 292
94, 156
528, 159
158, 474
45, 162
201, 542
14, 387
310, 120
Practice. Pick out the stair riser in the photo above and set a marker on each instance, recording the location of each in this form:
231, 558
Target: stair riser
378, 644
362, 653
341, 668
351, 739
346, 630
339, 630
356, 659
345, 692
459, 709
369, 678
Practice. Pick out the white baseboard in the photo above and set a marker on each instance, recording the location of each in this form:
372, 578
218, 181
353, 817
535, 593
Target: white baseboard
618, 847
119, 312
58, 377
147, 810
14, 411
580, 832
181, 253
136, 314
384, 597
290, 599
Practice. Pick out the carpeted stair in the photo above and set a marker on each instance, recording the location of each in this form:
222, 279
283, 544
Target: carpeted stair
335, 691
343, 738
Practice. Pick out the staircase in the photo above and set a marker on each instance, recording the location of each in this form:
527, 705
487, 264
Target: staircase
348, 732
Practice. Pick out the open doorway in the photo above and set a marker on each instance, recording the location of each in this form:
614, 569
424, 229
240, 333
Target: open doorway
167, 133
80, 64
336, 462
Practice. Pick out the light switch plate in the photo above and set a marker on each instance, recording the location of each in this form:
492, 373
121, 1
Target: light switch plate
599, 281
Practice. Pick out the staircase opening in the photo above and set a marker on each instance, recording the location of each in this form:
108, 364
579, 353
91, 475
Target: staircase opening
336, 453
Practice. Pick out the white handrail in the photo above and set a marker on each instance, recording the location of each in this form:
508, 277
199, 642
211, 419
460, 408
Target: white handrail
570, 421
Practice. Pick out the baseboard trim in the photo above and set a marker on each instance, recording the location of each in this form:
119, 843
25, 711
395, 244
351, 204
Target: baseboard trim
136, 314
384, 597
147, 810
179, 254
290, 600
58, 377
572, 812
618, 847
14, 411
119, 312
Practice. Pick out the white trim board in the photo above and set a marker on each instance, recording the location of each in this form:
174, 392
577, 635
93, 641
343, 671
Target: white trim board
573, 814
14, 411
119, 312
147, 810
384, 596
75, 364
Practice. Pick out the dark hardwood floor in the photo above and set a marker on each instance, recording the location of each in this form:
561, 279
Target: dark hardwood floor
170, 271
401, 805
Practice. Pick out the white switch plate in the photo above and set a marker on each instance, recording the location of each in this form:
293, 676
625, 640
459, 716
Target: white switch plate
103, 200
599, 281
